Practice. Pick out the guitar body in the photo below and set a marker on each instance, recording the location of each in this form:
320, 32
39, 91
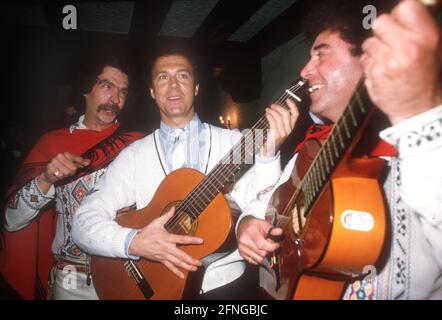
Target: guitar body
201, 210
110, 275
343, 233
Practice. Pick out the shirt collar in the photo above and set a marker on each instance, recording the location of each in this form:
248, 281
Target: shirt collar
78, 125
193, 124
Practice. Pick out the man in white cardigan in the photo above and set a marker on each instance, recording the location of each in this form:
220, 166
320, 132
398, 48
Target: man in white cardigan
181, 140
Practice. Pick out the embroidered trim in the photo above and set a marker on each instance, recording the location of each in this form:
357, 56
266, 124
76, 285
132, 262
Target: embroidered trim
399, 258
32, 196
425, 138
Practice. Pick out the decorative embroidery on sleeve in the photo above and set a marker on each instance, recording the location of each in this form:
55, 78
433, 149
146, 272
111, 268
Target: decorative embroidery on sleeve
32, 196
426, 138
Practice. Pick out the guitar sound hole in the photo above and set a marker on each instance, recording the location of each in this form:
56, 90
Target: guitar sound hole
183, 223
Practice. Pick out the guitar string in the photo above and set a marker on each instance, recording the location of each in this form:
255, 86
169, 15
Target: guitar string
182, 208
294, 199
219, 168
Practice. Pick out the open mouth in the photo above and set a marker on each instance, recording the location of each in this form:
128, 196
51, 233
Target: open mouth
174, 98
315, 87
108, 113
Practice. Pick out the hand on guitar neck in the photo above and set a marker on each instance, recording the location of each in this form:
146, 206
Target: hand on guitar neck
153, 242
282, 122
404, 56
255, 239
254, 235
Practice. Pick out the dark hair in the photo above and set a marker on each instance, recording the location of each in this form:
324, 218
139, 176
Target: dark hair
86, 77
167, 49
345, 17
94, 68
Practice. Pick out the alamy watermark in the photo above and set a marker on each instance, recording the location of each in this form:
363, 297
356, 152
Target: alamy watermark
70, 278
371, 14
70, 19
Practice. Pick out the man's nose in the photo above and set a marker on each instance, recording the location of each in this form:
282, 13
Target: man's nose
173, 82
308, 70
115, 97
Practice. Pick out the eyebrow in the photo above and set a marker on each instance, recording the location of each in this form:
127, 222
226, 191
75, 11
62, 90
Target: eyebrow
110, 82
321, 46
179, 70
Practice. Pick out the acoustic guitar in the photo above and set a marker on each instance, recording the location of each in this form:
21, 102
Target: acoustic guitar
201, 210
332, 212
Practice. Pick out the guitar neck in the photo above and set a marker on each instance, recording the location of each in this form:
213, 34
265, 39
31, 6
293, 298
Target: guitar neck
240, 155
340, 142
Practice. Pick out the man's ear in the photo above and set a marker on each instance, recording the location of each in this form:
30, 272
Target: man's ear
152, 94
197, 87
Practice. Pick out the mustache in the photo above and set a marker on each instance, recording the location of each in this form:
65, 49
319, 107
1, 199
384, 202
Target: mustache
109, 107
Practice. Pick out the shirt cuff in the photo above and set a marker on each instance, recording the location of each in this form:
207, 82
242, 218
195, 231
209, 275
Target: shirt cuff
130, 236
49, 195
261, 159
34, 197
417, 134
255, 209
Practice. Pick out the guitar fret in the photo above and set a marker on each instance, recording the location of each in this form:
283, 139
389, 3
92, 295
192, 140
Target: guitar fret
347, 130
328, 153
192, 206
308, 193
313, 184
223, 176
321, 168
327, 165
216, 182
360, 103
352, 115
308, 199
335, 148
185, 206
208, 187
200, 205
204, 194
311, 190
338, 132
306, 196
213, 187
320, 178
316, 179
203, 201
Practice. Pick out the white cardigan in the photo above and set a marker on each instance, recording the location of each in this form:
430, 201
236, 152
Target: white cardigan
134, 176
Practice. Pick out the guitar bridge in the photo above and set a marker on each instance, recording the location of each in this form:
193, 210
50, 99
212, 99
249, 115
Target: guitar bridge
137, 276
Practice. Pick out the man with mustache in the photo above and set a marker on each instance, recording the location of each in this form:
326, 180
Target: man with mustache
402, 65
182, 140
63, 167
